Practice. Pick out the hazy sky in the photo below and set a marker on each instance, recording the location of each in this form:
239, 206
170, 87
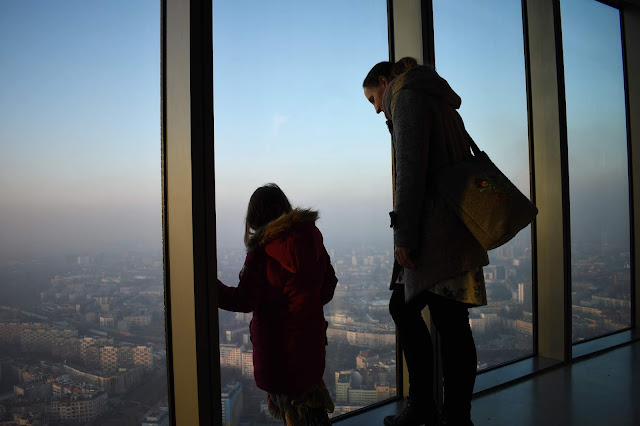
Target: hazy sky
79, 124
596, 123
80, 112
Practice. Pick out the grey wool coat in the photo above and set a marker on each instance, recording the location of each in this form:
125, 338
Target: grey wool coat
428, 134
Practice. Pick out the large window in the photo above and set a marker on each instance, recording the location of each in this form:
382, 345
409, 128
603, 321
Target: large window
479, 51
289, 109
598, 169
81, 268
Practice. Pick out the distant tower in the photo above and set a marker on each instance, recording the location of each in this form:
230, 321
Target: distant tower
231, 402
525, 297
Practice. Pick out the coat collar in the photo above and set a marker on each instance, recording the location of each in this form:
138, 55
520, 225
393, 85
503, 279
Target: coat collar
284, 223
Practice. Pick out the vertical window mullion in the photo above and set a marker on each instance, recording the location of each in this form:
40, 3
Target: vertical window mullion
548, 127
189, 214
630, 24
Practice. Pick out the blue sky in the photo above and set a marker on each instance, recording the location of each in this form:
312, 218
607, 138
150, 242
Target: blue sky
79, 124
289, 107
80, 110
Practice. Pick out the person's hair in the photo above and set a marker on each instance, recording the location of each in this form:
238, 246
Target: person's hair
267, 203
389, 70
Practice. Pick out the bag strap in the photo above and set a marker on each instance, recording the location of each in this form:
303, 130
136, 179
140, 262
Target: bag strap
474, 147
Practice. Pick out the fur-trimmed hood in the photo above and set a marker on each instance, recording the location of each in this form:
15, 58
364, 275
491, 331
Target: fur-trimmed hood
279, 226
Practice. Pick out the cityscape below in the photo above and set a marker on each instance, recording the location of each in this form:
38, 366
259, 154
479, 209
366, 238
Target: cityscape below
82, 336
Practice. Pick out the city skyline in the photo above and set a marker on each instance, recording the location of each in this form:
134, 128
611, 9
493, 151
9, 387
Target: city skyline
361, 334
86, 341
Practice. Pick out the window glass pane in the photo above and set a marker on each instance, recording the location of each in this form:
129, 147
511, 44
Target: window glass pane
479, 51
598, 169
81, 272
289, 109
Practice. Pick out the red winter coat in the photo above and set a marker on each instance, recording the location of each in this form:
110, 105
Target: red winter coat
286, 280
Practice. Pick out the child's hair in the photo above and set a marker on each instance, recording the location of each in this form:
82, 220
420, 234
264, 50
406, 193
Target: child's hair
267, 203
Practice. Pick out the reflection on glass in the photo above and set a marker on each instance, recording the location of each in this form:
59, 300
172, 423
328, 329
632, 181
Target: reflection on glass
598, 169
479, 51
289, 109
81, 276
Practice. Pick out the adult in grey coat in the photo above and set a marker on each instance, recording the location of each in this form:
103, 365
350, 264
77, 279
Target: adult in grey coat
440, 260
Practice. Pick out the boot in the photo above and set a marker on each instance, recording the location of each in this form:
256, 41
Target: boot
414, 414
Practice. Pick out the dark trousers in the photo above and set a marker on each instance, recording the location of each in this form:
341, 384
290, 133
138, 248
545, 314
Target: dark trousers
459, 357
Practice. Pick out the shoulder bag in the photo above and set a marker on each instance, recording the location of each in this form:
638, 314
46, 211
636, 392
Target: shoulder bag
489, 205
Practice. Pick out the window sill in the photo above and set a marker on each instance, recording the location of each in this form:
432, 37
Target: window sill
500, 377
518, 371
371, 416
485, 382
603, 344
512, 373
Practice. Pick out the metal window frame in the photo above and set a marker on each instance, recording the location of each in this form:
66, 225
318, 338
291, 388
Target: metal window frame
406, 38
532, 176
630, 30
548, 129
189, 239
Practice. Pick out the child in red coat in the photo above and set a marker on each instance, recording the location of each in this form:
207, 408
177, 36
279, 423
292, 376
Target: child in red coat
286, 280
